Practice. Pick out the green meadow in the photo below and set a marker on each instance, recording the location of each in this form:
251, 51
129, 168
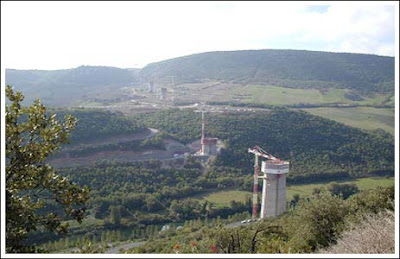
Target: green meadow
275, 95
367, 118
223, 198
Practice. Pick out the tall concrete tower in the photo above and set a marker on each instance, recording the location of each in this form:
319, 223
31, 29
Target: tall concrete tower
273, 202
150, 87
163, 93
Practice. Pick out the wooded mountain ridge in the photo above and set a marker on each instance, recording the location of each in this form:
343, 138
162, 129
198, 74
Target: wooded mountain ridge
288, 68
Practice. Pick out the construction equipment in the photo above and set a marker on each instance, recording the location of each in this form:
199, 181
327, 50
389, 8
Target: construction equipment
208, 145
275, 167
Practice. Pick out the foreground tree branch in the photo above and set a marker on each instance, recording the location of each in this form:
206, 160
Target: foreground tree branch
31, 136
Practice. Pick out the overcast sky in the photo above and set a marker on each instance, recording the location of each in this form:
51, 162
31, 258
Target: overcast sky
54, 35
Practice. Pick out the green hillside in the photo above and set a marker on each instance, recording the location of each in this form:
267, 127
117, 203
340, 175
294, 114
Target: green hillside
66, 86
288, 68
252, 76
96, 124
316, 147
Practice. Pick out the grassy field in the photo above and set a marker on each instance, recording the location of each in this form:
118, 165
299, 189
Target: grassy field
222, 198
275, 95
378, 99
268, 94
361, 117
362, 184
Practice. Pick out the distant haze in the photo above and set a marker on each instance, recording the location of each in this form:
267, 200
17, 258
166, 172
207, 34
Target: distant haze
362, 73
57, 35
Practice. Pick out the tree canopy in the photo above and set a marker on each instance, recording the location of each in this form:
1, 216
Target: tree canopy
31, 136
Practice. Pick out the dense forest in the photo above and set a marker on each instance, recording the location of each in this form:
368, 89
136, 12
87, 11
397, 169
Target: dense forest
146, 187
317, 148
95, 124
141, 194
288, 68
96, 127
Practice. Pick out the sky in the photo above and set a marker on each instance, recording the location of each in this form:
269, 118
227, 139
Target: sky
56, 35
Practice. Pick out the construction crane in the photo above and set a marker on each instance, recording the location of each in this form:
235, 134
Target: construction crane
258, 152
172, 80
202, 125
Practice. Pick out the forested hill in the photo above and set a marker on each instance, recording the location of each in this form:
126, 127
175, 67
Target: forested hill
288, 68
94, 124
316, 147
62, 86
365, 74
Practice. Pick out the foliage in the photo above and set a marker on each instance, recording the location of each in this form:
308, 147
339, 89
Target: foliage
315, 223
31, 137
146, 187
345, 190
317, 148
373, 200
89, 247
115, 214
374, 235
95, 124
146, 193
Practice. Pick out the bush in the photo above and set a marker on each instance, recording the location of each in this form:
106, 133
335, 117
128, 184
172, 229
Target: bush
316, 222
373, 200
375, 235
344, 190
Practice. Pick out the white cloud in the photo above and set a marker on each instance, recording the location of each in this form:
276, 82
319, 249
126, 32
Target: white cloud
52, 35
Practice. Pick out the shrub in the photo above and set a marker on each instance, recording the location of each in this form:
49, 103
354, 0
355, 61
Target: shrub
375, 235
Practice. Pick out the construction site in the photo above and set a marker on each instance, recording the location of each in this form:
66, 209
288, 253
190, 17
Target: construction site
172, 154
273, 171
269, 174
273, 197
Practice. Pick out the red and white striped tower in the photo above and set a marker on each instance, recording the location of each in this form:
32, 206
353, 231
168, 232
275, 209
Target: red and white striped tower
255, 188
258, 152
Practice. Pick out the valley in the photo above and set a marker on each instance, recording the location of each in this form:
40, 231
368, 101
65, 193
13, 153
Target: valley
137, 176
336, 86
137, 147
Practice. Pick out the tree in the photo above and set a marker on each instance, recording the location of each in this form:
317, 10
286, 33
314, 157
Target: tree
115, 214
346, 190
295, 200
153, 204
31, 183
316, 222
